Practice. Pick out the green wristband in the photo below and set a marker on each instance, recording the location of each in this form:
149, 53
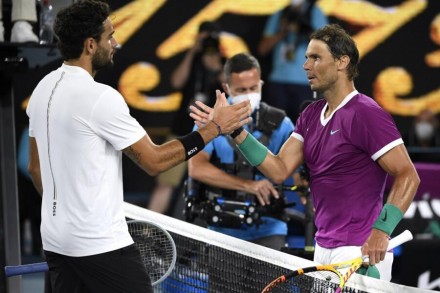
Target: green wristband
388, 218
254, 151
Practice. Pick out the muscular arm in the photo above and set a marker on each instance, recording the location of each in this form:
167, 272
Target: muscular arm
396, 163
279, 167
155, 159
34, 165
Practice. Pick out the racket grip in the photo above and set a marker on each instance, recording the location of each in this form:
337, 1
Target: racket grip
11, 271
394, 242
400, 239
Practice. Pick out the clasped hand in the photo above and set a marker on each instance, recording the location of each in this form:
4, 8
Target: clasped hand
229, 117
375, 247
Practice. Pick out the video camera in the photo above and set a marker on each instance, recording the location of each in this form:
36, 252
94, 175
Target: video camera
302, 19
211, 44
291, 15
222, 211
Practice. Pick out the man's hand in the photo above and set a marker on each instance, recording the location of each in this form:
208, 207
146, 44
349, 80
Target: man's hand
263, 190
376, 246
201, 117
203, 114
229, 117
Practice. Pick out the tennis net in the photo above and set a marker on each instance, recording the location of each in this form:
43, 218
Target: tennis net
208, 261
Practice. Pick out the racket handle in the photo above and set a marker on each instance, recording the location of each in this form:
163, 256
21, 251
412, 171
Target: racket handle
11, 271
394, 242
399, 239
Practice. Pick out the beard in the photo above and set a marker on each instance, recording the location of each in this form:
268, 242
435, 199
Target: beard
101, 60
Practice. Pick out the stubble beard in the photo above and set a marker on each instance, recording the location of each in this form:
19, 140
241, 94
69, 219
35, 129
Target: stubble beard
102, 61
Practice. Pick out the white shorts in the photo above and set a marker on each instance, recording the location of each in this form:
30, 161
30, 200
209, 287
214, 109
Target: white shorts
344, 253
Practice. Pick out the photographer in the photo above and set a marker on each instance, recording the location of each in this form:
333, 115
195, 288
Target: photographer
286, 36
197, 76
227, 175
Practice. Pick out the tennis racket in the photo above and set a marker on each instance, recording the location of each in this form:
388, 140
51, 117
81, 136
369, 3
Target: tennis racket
326, 277
156, 246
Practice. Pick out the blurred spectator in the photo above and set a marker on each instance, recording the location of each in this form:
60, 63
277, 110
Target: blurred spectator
423, 138
286, 36
24, 13
197, 76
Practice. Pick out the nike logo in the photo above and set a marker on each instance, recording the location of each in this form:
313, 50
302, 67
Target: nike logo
334, 131
384, 218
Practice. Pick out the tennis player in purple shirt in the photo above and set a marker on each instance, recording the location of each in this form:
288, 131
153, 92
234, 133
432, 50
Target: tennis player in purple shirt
350, 145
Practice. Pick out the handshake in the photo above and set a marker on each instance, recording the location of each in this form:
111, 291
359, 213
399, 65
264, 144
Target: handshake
224, 117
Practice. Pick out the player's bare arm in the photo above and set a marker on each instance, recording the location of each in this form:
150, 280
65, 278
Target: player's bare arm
279, 167
153, 158
157, 158
397, 164
134, 155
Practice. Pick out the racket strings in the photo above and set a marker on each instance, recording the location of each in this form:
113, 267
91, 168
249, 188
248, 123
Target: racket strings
328, 276
156, 249
312, 282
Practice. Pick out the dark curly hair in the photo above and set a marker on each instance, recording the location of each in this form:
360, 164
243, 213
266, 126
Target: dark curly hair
77, 22
339, 43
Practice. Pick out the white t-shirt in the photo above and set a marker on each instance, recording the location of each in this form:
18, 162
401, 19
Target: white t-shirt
80, 126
